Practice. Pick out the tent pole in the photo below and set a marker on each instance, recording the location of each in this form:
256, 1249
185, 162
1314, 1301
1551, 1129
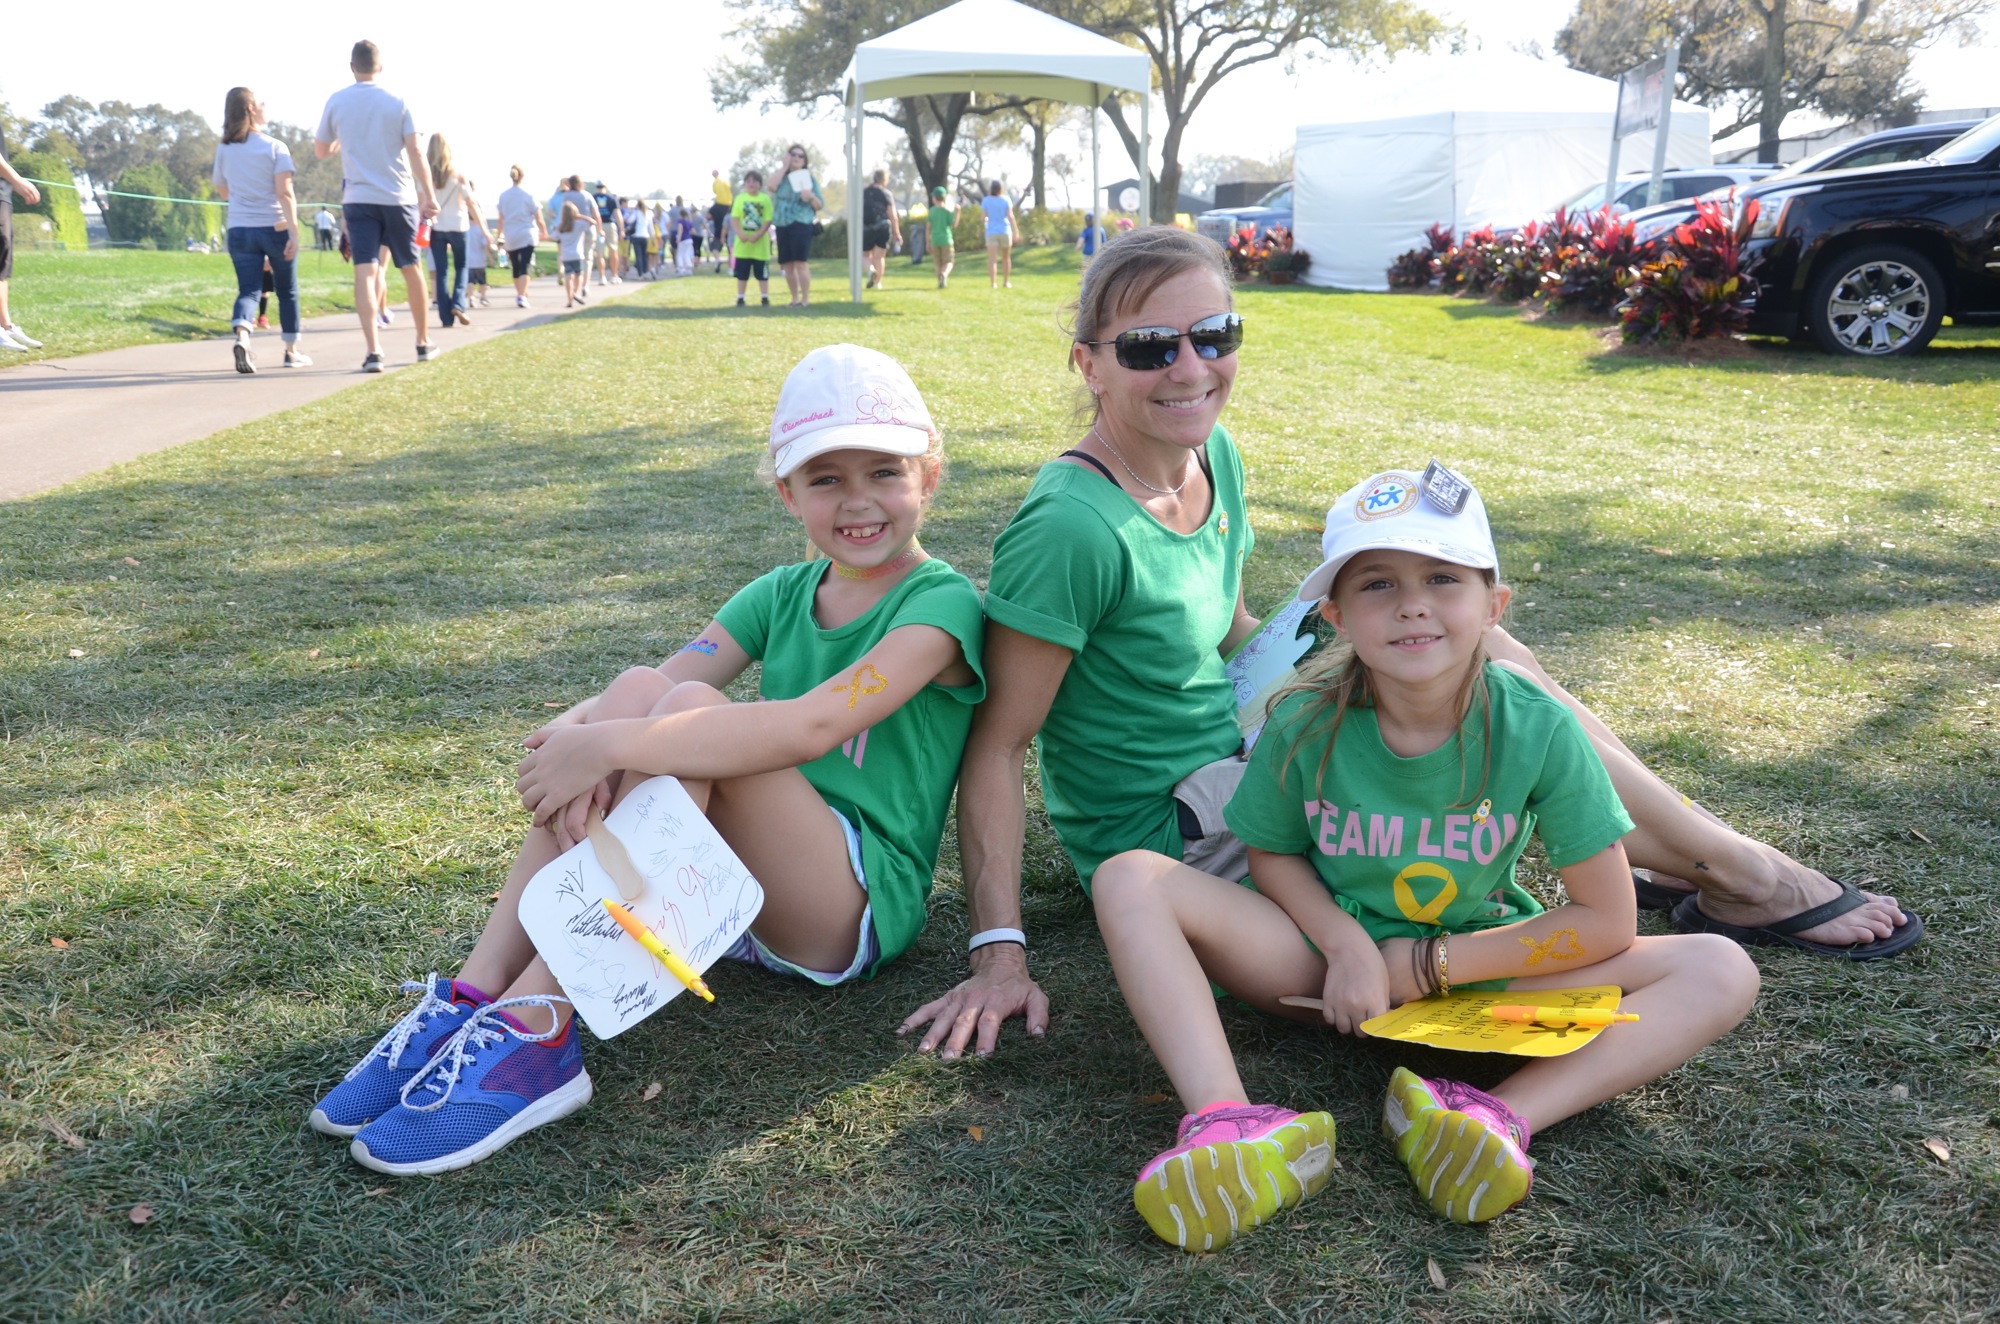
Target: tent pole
1096, 208
1146, 157
854, 191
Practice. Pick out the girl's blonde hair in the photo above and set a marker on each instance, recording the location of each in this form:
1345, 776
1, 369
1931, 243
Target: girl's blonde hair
570, 216
438, 153
1341, 680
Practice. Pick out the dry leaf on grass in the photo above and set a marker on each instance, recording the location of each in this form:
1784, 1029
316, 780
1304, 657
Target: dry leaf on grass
1918, 834
76, 652
551, 705
60, 944
378, 1190
650, 1093
311, 653
1435, 1274
1939, 1149
63, 1133
130, 561
1899, 1091
976, 1132
1152, 1098
140, 1214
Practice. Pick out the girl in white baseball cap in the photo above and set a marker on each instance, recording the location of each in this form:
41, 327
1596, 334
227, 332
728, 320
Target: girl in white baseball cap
1386, 805
833, 790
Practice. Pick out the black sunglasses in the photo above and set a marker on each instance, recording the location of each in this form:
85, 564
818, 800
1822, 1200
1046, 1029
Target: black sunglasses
1150, 348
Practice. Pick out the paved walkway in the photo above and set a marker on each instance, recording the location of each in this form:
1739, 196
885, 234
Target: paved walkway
63, 418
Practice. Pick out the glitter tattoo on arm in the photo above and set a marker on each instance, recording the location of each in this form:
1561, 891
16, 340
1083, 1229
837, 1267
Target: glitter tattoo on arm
703, 646
1546, 947
866, 680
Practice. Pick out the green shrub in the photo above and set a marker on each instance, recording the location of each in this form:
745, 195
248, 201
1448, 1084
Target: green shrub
60, 206
133, 220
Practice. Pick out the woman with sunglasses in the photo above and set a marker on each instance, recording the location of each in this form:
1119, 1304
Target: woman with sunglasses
1114, 596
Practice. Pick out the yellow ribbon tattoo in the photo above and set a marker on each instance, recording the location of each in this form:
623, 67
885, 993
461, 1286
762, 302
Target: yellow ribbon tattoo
1537, 950
867, 680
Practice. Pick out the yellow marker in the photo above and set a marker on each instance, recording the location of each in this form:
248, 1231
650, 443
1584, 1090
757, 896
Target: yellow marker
678, 968
1582, 1016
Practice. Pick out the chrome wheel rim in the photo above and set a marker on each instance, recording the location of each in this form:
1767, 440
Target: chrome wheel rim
1878, 307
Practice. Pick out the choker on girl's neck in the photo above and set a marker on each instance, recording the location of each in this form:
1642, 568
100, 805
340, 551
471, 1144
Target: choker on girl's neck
908, 557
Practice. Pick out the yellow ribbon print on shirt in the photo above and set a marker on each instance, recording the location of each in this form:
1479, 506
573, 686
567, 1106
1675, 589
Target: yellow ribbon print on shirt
1406, 896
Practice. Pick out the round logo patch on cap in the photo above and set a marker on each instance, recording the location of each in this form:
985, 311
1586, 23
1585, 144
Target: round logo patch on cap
1390, 494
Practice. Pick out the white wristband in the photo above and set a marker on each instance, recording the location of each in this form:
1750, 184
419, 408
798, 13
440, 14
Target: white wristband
996, 935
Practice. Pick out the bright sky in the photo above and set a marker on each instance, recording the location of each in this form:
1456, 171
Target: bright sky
636, 110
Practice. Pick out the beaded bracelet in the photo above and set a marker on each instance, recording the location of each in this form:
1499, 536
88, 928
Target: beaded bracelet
1444, 964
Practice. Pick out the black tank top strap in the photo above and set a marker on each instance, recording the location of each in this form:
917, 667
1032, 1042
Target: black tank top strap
1090, 460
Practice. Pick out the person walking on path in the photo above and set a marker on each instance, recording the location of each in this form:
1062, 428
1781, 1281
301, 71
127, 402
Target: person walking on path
12, 337
880, 229
253, 174
793, 203
521, 228
1001, 236
579, 236
458, 212
718, 218
324, 226
943, 246
367, 125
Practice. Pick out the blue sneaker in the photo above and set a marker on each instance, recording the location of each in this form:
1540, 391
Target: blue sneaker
490, 1082
376, 1082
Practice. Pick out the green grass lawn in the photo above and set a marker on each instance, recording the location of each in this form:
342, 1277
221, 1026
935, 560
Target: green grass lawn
278, 779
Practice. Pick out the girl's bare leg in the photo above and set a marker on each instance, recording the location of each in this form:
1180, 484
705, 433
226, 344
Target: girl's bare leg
503, 953
1688, 989
1742, 881
1170, 929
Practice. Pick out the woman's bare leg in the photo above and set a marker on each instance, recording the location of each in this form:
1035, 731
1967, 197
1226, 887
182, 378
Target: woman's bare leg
1742, 881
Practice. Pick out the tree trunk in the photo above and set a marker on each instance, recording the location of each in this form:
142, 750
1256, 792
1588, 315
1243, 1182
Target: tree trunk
1771, 110
933, 167
1039, 149
1167, 188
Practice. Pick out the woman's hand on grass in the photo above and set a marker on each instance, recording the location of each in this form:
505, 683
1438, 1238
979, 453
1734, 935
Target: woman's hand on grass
1357, 988
998, 991
563, 763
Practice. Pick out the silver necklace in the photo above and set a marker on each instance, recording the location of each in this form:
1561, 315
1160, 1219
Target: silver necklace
1163, 491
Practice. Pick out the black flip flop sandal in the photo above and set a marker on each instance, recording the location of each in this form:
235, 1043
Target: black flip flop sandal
1690, 918
1652, 896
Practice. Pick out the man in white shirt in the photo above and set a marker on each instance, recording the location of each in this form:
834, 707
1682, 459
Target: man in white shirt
385, 174
325, 225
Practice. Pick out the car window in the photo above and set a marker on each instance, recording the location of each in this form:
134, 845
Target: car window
1279, 197
1910, 149
1975, 144
1693, 186
1634, 196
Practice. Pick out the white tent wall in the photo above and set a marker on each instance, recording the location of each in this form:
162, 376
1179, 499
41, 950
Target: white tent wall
1499, 139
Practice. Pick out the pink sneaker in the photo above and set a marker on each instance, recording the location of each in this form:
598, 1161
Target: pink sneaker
1232, 1167
1466, 1151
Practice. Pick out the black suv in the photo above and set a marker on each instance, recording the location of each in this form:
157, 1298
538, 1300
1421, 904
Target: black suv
1870, 261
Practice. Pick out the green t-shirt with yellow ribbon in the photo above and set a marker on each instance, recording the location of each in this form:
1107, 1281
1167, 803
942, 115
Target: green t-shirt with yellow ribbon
892, 781
1413, 847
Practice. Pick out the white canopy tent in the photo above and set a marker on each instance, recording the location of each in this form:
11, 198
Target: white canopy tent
1464, 139
995, 46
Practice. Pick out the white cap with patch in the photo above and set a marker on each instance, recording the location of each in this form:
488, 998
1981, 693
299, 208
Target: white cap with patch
847, 397
1435, 513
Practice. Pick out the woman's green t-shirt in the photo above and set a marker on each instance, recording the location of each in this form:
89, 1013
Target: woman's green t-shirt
892, 781
1144, 611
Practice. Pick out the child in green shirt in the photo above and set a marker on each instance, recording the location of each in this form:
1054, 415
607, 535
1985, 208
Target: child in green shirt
943, 246
1384, 807
750, 222
833, 790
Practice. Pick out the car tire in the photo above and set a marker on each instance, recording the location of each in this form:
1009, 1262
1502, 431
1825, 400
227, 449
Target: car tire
1875, 301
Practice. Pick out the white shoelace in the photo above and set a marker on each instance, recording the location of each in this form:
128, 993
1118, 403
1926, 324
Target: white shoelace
392, 1044
485, 1028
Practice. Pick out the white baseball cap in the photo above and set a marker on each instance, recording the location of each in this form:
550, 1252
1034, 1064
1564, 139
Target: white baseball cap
846, 397
1434, 512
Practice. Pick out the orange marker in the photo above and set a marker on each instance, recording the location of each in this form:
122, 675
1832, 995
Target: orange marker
1580, 1016
680, 969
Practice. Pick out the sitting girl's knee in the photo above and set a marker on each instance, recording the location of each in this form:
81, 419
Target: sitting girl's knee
689, 695
1725, 968
1124, 878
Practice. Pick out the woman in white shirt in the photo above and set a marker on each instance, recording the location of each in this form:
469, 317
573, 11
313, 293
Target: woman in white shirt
458, 211
521, 226
253, 173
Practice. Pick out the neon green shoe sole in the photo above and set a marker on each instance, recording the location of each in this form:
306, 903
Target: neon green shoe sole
1463, 1167
1204, 1198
